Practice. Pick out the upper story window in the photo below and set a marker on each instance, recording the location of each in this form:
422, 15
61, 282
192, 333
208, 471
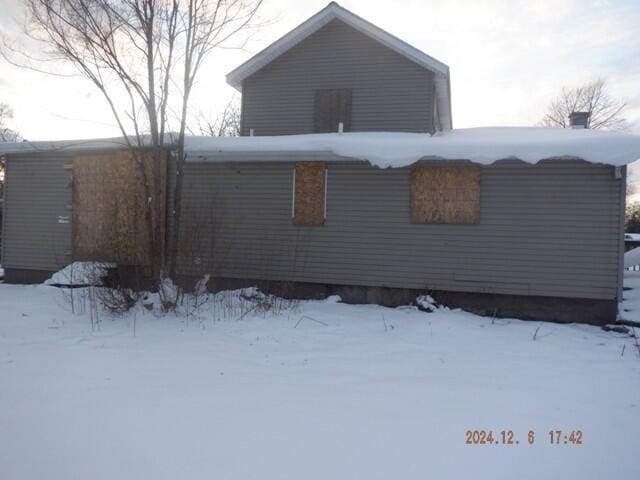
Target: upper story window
332, 107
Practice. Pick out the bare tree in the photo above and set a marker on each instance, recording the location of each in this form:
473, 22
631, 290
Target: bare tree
226, 124
143, 56
6, 133
606, 113
632, 188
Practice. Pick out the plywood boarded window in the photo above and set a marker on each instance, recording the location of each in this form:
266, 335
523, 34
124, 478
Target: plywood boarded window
109, 207
445, 194
309, 193
332, 107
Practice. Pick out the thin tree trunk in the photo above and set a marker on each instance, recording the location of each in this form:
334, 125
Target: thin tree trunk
177, 198
131, 47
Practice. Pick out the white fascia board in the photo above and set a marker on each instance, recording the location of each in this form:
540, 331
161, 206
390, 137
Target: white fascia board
319, 20
443, 100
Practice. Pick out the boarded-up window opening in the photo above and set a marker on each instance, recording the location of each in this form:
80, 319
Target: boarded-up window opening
332, 107
445, 194
309, 198
109, 208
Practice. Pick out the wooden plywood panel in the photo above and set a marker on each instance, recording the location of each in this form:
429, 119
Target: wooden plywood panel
309, 196
390, 92
331, 107
528, 228
445, 194
108, 207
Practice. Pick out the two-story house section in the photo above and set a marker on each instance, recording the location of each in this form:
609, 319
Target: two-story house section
337, 68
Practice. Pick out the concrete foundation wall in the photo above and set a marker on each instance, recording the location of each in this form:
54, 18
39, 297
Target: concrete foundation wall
23, 276
524, 307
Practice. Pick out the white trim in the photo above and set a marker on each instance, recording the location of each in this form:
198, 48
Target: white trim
293, 194
335, 11
437, 124
443, 101
316, 22
326, 175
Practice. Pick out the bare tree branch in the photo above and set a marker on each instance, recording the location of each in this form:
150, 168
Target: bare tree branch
606, 113
144, 57
6, 133
207, 25
226, 124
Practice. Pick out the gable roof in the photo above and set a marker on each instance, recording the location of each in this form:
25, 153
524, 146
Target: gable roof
334, 11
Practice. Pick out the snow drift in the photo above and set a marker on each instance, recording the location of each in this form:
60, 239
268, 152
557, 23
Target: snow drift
80, 273
632, 258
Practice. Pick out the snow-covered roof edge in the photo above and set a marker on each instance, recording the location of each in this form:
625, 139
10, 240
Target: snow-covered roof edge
62, 145
88, 144
386, 149
335, 11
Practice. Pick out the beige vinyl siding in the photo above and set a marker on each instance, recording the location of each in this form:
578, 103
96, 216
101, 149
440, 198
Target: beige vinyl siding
389, 92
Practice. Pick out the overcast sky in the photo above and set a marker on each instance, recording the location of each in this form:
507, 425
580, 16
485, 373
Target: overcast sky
507, 58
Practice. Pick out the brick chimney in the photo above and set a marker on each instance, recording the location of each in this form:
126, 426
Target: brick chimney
579, 119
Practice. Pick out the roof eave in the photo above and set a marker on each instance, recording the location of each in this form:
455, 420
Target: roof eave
324, 16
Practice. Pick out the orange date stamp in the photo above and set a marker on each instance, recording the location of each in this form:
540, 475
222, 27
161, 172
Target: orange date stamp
508, 437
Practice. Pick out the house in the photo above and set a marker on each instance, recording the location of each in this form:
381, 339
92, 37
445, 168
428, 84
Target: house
337, 67
523, 222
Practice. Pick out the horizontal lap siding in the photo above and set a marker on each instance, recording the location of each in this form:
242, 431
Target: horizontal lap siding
389, 92
37, 193
550, 229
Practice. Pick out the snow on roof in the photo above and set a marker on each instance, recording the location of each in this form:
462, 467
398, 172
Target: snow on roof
480, 145
385, 149
334, 11
63, 145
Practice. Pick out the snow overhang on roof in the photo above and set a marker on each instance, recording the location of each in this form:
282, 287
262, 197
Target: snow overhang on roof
62, 145
478, 145
82, 145
334, 11
390, 149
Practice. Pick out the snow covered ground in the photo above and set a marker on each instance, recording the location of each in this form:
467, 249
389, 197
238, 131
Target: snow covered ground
632, 257
322, 390
630, 307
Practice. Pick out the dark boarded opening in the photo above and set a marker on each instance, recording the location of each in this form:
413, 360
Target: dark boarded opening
330, 108
445, 194
309, 193
108, 207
